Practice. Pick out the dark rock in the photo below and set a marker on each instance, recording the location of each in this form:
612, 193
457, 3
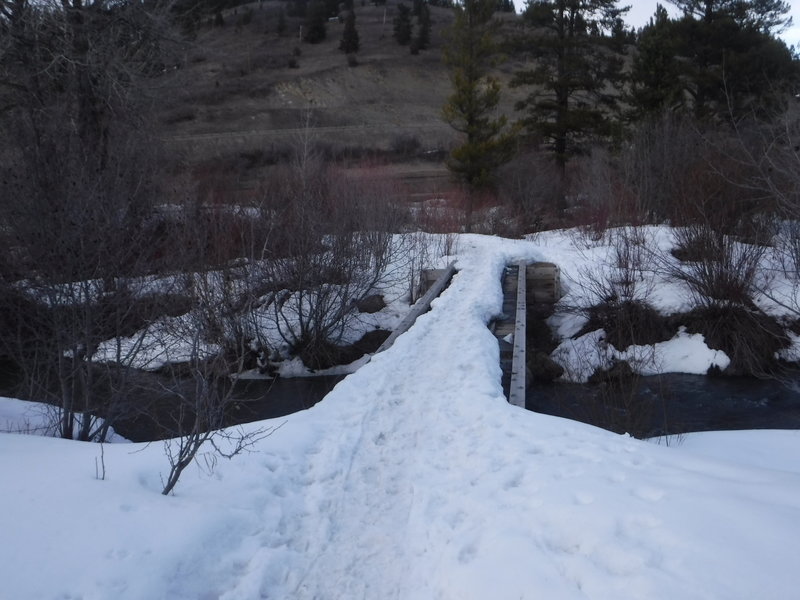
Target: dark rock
619, 371
326, 355
543, 368
371, 304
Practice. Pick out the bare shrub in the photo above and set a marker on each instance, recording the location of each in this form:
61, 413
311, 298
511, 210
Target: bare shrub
626, 273
750, 338
719, 270
656, 164
618, 291
332, 245
77, 227
600, 196
405, 145
201, 411
531, 185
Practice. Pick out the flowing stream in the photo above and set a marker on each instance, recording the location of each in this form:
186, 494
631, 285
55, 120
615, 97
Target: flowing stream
673, 404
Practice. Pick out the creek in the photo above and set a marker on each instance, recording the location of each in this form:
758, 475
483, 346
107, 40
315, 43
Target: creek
673, 404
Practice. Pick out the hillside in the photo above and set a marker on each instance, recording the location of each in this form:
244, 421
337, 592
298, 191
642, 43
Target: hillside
236, 99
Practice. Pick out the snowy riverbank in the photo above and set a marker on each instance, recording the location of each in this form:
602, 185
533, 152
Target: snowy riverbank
413, 479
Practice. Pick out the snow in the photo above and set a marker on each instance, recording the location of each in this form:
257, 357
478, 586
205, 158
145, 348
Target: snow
684, 353
34, 418
415, 479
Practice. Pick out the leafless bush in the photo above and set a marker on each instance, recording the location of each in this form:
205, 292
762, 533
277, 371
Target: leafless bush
405, 145
626, 273
618, 290
333, 244
77, 227
656, 165
202, 407
531, 184
599, 196
719, 270
78, 180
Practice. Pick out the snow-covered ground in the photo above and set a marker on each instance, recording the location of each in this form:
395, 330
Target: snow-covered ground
413, 479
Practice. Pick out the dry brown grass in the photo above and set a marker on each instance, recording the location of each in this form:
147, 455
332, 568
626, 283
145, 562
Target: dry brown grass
236, 96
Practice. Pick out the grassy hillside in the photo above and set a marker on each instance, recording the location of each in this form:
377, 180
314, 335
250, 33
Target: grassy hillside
244, 94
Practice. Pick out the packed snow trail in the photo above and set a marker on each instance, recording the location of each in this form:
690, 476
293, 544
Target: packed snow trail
426, 484
414, 479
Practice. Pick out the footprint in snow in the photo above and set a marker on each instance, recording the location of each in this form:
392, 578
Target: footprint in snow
617, 477
648, 494
513, 482
467, 554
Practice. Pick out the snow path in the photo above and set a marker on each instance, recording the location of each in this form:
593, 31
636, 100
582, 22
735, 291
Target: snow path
427, 484
414, 479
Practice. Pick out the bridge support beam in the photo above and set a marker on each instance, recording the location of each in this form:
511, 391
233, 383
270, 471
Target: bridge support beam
516, 390
421, 306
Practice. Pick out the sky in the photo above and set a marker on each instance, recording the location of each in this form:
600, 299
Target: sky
642, 10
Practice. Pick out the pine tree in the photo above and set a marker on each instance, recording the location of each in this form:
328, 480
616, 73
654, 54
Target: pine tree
469, 110
572, 82
402, 25
281, 28
506, 6
655, 73
767, 16
349, 43
315, 22
423, 38
719, 60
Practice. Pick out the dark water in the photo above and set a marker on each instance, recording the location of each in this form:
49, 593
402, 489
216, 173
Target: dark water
250, 400
645, 407
258, 399
673, 404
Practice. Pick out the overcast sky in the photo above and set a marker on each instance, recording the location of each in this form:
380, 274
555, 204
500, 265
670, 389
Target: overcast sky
642, 10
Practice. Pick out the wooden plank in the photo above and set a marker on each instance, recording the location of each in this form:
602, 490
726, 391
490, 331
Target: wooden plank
516, 390
544, 282
421, 306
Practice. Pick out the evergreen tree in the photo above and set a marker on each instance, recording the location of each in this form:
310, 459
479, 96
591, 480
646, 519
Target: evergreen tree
315, 22
402, 25
281, 28
575, 75
506, 6
655, 74
423, 38
488, 143
298, 8
349, 43
719, 60
767, 16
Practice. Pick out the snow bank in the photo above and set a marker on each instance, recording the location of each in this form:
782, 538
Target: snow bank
34, 418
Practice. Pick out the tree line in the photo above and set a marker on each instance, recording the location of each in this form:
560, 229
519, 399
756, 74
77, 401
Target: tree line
592, 79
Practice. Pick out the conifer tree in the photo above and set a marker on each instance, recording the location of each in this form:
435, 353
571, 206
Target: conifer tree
402, 25
317, 15
573, 82
487, 141
655, 81
718, 60
349, 43
423, 39
281, 28
767, 16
